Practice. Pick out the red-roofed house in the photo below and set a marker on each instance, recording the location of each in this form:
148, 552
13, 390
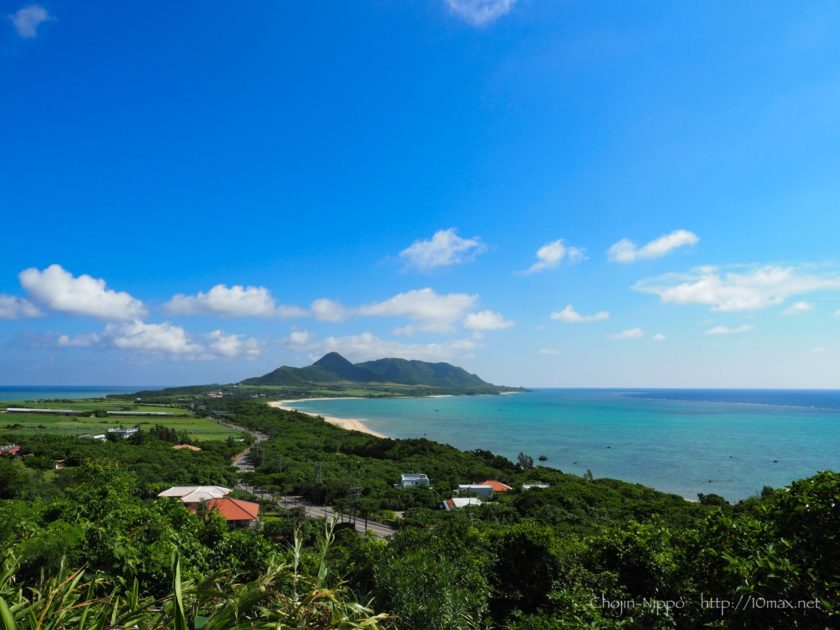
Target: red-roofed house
236, 512
9, 449
497, 486
189, 447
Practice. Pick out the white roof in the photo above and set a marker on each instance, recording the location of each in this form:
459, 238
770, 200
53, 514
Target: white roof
460, 502
474, 486
408, 476
528, 486
195, 494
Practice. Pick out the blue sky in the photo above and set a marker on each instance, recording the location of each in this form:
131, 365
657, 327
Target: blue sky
547, 193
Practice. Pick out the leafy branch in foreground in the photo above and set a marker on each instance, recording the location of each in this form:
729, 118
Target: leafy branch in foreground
284, 596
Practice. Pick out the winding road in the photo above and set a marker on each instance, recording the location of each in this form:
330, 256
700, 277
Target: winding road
311, 510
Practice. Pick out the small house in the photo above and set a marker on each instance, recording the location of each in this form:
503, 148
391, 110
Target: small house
457, 503
94, 436
59, 464
476, 489
188, 447
9, 450
237, 513
123, 433
536, 484
195, 494
413, 480
497, 486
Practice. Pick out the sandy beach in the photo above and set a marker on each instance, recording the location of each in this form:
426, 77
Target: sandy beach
351, 424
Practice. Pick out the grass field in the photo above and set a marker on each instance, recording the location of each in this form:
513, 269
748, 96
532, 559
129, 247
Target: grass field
28, 424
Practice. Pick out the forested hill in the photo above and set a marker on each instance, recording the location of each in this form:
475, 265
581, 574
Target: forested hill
333, 368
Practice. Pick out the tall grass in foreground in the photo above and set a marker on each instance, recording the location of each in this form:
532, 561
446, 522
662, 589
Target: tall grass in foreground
284, 596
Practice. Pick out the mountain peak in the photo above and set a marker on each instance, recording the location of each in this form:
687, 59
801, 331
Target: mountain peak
332, 360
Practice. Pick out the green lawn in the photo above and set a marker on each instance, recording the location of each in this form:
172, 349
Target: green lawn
29, 424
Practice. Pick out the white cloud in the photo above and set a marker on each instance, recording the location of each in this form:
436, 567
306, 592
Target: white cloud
553, 254
630, 333
79, 341
234, 301
626, 251
27, 20
166, 338
329, 310
486, 320
59, 290
300, 337
818, 349
444, 249
570, 316
480, 12
12, 307
737, 291
726, 330
432, 311
163, 337
797, 308
231, 346
659, 337
366, 346
548, 352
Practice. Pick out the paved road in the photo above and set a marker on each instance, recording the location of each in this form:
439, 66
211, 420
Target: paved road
240, 462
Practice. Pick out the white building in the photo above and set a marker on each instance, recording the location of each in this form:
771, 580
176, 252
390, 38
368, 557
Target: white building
123, 433
457, 503
413, 480
476, 490
528, 486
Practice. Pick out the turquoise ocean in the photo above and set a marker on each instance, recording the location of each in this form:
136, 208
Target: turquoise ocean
727, 442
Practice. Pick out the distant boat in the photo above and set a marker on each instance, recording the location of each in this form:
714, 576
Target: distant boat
543, 458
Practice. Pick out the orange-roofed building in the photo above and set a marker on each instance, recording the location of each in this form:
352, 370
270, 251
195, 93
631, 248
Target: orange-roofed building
189, 447
236, 512
497, 486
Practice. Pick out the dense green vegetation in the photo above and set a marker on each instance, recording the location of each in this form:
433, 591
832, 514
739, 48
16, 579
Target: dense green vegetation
583, 553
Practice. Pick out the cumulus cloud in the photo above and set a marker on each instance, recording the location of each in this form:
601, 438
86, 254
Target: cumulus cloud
234, 301
480, 12
59, 290
798, 308
486, 320
570, 316
659, 337
553, 254
737, 291
444, 249
726, 330
231, 346
79, 341
329, 310
366, 346
630, 333
548, 352
432, 311
27, 20
165, 339
626, 251
12, 307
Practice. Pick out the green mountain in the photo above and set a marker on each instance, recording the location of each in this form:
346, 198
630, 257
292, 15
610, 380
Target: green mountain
334, 369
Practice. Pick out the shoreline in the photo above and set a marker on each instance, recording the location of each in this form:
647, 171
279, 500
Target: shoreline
350, 424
